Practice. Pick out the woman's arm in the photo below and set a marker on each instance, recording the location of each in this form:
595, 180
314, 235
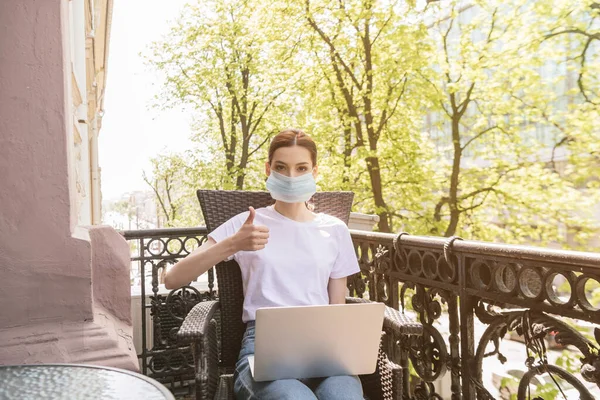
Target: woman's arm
199, 261
250, 237
337, 290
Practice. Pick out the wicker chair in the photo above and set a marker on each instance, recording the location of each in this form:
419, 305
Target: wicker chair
216, 345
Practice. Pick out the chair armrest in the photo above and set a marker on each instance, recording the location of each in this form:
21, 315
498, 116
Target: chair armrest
394, 320
195, 325
401, 323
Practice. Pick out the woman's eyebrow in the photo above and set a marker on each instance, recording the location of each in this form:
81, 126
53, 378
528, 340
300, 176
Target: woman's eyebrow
300, 163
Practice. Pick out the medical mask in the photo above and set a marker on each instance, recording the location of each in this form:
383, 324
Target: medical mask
296, 189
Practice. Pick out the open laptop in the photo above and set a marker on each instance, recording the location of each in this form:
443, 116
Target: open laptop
316, 341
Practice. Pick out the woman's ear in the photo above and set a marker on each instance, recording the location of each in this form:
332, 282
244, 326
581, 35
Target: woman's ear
315, 172
267, 168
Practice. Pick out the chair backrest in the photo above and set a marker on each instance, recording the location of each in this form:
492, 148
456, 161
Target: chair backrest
219, 206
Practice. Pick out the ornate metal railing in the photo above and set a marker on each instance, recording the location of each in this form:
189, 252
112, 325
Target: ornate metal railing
530, 292
152, 251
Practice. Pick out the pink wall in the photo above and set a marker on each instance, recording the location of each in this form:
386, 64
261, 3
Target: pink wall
45, 273
111, 272
64, 289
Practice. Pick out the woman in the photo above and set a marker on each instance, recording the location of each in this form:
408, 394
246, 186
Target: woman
289, 256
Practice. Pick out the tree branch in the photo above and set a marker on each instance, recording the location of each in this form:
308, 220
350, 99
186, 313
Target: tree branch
260, 118
329, 43
158, 197
462, 107
580, 77
478, 136
576, 31
385, 115
259, 146
447, 57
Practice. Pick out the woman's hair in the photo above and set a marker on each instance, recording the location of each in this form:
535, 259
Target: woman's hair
293, 137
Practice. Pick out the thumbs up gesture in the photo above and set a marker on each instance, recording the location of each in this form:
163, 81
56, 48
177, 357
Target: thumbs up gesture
251, 237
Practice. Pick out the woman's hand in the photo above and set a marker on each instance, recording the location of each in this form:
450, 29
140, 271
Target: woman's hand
251, 237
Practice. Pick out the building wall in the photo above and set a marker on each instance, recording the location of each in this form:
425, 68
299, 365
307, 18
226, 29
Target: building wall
35, 132
88, 40
64, 286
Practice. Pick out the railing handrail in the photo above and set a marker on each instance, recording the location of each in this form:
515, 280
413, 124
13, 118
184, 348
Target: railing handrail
144, 233
474, 247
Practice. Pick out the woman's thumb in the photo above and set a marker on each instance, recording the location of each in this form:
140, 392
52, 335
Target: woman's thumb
250, 219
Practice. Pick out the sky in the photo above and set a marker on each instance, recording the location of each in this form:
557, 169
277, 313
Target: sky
132, 133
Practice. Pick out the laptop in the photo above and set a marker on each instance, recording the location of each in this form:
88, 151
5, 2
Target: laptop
316, 341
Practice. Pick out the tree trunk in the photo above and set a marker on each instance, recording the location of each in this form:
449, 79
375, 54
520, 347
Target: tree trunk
241, 172
453, 194
347, 153
373, 161
375, 176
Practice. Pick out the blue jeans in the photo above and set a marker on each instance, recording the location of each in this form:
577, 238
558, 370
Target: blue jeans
332, 388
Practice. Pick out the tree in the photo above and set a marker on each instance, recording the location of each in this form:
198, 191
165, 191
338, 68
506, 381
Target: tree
365, 56
578, 27
448, 120
473, 105
491, 100
221, 60
574, 30
174, 193
124, 207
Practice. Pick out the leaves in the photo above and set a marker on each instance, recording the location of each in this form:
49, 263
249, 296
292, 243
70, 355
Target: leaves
480, 121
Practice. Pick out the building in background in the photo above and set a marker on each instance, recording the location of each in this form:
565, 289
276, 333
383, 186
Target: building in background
133, 210
88, 38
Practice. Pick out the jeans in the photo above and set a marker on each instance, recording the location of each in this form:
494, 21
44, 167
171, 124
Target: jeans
332, 388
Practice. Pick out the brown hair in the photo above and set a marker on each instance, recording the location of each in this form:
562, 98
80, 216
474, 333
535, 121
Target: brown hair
293, 137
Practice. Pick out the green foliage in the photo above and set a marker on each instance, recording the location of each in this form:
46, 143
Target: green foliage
123, 207
363, 101
570, 361
480, 120
501, 180
222, 60
174, 182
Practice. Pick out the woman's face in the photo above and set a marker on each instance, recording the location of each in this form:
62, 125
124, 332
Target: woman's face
291, 161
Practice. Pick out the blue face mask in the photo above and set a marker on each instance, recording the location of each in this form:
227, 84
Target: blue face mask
296, 189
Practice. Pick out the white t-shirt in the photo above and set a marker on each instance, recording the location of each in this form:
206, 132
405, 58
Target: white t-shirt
295, 266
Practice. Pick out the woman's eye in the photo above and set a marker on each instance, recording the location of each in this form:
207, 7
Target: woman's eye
302, 169
279, 168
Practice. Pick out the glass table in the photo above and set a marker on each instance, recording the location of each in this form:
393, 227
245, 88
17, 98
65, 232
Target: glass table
73, 381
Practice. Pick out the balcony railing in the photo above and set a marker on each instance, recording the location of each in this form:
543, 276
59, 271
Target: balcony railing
152, 252
470, 297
